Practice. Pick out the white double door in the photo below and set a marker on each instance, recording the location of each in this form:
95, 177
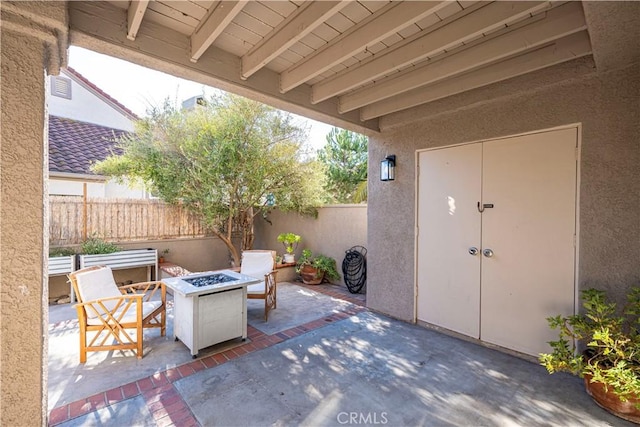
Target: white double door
498, 274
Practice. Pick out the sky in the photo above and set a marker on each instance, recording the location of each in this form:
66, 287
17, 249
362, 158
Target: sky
138, 88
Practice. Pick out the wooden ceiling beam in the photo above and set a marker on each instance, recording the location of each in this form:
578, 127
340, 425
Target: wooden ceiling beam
135, 14
470, 23
562, 50
213, 25
166, 50
307, 18
559, 22
380, 25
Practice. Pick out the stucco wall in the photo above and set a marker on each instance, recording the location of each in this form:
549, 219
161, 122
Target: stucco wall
336, 229
22, 232
196, 254
608, 107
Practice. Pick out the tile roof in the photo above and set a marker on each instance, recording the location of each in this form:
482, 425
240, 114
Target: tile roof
74, 146
101, 92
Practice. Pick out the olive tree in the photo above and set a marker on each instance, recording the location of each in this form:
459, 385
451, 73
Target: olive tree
227, 161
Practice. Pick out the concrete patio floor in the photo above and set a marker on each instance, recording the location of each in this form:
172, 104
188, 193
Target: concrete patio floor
322, 359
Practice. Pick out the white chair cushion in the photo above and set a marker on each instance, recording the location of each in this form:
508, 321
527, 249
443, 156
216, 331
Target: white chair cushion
256, 264
258, 288
97, 284
130, 315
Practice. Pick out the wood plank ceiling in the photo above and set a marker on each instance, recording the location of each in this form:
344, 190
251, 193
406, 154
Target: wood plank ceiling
372, 57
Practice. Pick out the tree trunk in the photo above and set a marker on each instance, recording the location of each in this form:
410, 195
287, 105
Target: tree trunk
234, 254
232, 249
248, 235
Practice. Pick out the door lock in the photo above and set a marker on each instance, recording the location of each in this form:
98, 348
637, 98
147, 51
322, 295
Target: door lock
487, 252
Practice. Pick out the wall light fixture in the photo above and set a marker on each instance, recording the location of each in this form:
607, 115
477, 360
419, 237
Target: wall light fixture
388, 168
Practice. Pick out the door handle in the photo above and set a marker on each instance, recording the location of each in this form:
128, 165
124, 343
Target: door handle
484, 206
473, 250
487, 252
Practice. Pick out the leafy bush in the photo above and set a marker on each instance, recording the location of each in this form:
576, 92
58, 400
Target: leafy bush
96, 245
321, 262
612, 355
59, 252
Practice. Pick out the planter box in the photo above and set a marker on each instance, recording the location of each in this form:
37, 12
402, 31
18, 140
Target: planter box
62, 265
124, 259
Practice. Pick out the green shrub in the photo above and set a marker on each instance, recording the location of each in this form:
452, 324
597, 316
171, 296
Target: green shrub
612, 342
59, 252
321, 262
95, 246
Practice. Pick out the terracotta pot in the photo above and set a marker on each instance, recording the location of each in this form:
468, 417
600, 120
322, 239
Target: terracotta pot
612, 403
311, 275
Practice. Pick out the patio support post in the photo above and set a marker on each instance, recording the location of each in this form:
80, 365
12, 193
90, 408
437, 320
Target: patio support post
33, 43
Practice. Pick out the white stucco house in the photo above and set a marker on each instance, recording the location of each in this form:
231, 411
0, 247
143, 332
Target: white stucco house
84, 123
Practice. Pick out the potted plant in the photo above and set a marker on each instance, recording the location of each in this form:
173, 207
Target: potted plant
315, 269
290, 242
162, 258
610, 362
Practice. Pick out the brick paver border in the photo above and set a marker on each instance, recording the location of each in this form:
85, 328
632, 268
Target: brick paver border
163, 400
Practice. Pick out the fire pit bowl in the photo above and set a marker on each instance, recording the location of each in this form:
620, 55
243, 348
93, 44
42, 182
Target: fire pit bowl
195, 284
212, 279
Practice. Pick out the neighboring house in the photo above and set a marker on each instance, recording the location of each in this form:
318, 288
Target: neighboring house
84, 124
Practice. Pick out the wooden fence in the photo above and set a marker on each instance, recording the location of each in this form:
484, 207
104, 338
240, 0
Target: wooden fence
118, 220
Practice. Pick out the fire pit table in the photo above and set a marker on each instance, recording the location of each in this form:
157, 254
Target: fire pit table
209, 307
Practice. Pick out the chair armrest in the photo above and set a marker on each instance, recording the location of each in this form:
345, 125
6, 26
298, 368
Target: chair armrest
143, 285
98, 307
146, 288
103, 300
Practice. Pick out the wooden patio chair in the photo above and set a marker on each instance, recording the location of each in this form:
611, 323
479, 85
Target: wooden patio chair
258, 264
110, 312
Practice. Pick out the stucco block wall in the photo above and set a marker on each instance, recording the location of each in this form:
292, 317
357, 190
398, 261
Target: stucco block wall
22, 232
194, 254
608, 107
336, 229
